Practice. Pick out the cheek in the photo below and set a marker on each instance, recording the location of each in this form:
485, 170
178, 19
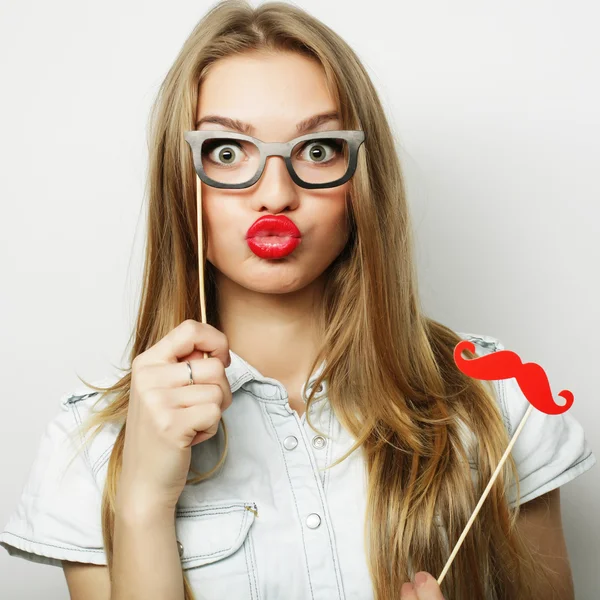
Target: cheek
333, 230
337, 232
339, 222
219, 224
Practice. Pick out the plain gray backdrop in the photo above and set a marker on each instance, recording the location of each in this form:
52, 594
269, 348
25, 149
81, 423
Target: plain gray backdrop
495, 109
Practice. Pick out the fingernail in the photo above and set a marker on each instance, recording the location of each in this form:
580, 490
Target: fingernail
421, 578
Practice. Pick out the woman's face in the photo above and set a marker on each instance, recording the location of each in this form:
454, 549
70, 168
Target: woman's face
272, 93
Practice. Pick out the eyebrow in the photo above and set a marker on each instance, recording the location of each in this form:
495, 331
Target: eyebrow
304, 126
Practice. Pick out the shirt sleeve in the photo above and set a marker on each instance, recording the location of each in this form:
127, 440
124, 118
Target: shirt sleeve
58, 514
550, 451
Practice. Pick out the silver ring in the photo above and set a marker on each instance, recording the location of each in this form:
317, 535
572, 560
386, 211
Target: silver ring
191, 381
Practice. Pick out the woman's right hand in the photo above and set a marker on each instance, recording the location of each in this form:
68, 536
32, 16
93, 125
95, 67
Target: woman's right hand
167, 416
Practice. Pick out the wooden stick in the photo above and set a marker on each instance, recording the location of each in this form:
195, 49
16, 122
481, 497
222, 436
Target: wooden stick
485, 493
200, 250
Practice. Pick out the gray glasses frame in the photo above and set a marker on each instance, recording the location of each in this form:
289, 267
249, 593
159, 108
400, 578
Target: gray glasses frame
196, 138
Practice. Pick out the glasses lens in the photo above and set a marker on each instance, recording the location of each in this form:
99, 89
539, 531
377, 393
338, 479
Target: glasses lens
231, 161
321, 160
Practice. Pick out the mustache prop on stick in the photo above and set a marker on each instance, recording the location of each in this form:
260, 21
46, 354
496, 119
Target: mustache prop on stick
533, 382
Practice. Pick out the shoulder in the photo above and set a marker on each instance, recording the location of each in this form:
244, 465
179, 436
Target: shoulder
87, 398
83, 403
484, 343
58, 515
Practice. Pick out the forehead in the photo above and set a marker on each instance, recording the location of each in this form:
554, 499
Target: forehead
273, 92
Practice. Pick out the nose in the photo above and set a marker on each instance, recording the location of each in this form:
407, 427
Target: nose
275, 190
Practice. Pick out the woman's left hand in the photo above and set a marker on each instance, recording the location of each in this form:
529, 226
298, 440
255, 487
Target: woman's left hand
425, 587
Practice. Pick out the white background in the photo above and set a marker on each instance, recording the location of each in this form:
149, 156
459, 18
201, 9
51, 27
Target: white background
495, 108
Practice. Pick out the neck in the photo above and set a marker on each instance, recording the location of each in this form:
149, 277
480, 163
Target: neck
276, 333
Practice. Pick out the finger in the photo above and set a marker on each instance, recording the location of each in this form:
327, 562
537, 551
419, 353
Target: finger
196, 395
199, 419
407, 592
204, 370
188, 336
193, 395
427, 587
195, 354
207, 372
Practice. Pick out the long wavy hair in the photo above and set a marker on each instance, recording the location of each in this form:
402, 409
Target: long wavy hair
392, 380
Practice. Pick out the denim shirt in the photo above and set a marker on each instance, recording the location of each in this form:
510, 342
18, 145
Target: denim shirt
271, 524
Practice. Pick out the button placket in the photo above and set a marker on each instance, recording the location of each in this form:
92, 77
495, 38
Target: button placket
320, 444
306, 487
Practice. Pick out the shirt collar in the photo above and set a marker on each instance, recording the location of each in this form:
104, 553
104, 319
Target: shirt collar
240, 371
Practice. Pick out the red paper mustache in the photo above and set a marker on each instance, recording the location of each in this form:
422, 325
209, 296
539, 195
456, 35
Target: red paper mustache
504, 364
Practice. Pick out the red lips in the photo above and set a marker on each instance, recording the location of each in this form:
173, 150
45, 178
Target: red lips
278, 225
273, 236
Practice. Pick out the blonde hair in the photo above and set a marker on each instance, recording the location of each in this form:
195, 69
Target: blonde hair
392, 380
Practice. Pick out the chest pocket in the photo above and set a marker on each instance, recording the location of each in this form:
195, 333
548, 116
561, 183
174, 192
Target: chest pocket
217, 551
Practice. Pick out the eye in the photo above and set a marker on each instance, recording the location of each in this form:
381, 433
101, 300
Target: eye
222, 152
320, 151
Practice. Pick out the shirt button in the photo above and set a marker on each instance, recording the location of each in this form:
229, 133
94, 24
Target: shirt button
309, 390
180, 548
318, 441
270, 390
290, 442
313, 520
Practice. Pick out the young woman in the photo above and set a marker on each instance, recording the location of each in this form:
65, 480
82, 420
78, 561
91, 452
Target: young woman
338, 450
